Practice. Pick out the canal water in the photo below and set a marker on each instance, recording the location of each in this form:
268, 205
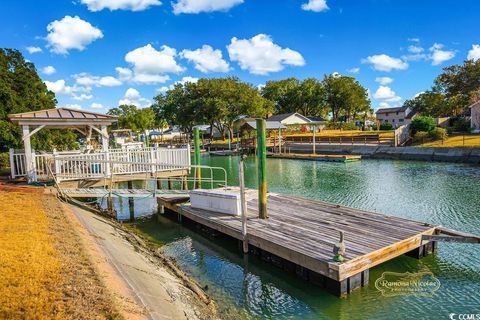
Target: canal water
246, 287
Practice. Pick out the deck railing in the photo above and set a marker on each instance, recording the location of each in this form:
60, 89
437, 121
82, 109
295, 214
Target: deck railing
73, 165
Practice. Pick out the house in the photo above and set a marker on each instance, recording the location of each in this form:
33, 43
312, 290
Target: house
290, 119
396, 116
270, 125
475, 116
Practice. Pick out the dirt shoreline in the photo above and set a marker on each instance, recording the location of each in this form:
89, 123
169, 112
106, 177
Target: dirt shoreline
182, 292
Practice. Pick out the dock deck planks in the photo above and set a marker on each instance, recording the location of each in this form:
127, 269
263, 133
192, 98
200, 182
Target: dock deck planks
304, 231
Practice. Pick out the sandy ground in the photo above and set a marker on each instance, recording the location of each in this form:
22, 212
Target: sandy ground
133, 275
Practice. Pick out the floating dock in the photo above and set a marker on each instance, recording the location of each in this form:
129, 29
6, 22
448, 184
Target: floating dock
316, 157
300, 234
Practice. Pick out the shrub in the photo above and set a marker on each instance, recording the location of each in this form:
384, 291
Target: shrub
4, 160
420, 136
461, 125
422, 123
386, 126
438, 134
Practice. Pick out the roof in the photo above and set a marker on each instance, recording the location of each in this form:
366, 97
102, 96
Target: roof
61, 116
411, 114
283, 116
387, 110
270, 125
474, 105
316, 119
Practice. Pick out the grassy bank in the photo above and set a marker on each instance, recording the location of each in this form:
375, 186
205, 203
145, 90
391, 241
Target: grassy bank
457, 141
46, 273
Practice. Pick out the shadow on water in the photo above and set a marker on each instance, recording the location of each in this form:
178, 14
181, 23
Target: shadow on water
439, 193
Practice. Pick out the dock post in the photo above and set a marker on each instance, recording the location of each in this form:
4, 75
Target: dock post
314, 142
131, 203
198, 173
262, 172
243, 203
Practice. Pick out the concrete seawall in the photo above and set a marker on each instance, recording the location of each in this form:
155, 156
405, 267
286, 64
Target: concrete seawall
461, 155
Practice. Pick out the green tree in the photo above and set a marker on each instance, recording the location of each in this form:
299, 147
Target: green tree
130, 117
345, 96
429, 103
283, 94
422, 123
22, 90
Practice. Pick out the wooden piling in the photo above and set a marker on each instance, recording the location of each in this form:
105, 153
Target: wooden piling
262, 171
241, 178
131, 203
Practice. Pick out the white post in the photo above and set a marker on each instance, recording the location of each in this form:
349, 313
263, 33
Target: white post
314, 142
12, 163
105, 149
243, 204
28, 153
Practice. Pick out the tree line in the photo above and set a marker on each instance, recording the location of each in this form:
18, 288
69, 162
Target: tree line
456, 88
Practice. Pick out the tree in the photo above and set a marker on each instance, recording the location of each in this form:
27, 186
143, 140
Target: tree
282, 93
422, 123
345, 96
22, 90
429, 103
129, 117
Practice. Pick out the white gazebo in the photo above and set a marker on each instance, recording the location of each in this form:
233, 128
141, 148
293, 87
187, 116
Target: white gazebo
79, 120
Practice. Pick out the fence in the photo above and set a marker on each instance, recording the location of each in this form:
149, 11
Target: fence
73, 165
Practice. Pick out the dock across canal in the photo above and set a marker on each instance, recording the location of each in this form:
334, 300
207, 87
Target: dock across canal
300, 234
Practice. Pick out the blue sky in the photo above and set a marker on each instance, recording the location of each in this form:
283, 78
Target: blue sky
96, 54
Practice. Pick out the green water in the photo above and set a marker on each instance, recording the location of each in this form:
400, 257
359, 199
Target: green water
440, 193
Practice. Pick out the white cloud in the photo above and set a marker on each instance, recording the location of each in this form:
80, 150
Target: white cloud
315, 5
133, 5
82, 97
71, 33
259, 55
72, 106
415, 49
354, 70
48, 70
95, 105
197, 6
386, 94
384, 80
383, 62
413, 39
59, 87
34, 49
181, 81
133, 97
206, 59
85, 79
124, 74
150, 65
474, 53
439, 55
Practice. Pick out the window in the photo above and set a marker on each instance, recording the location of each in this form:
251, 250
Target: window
393, 120
401, 120
386, 120
386, 114
397, 113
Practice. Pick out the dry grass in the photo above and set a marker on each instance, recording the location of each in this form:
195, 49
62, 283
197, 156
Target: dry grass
459, 141
46, 274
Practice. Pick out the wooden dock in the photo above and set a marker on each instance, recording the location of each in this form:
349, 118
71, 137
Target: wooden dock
316, 157
299, 235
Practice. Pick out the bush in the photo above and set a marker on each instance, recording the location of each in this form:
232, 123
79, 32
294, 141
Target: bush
461, 125
386, 126
422, 123
4, 160
421, 136
438, 134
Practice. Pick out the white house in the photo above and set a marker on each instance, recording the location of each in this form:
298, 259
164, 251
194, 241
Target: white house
475, 116
290, 118
396, 116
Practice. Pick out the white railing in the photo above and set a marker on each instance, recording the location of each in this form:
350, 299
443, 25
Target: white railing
75, 165
402, 134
